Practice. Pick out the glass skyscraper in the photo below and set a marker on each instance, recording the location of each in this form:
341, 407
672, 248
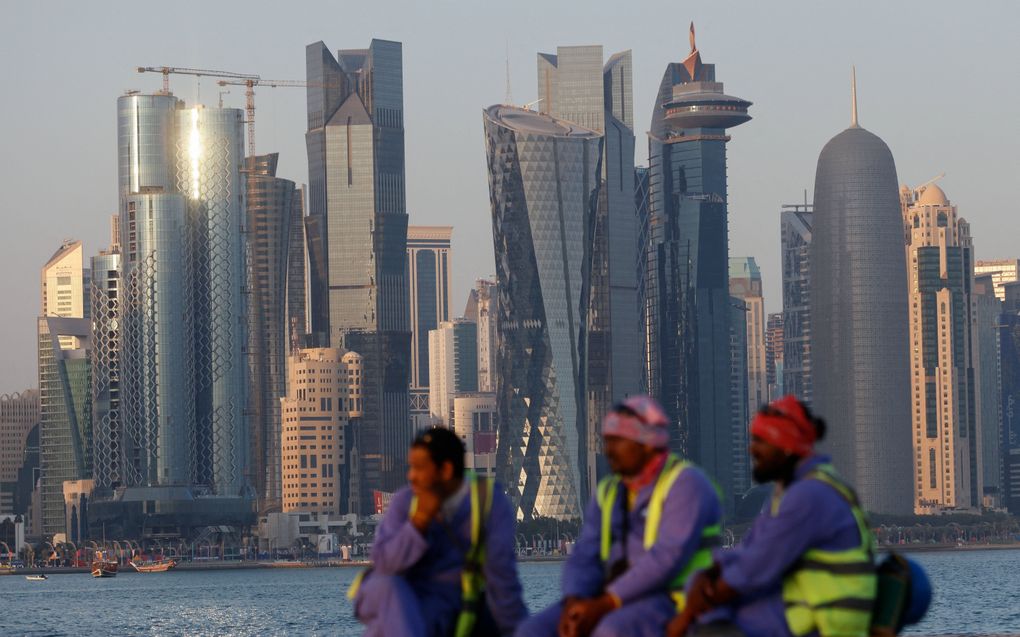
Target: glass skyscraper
357, 215
544, 188
795, 222
428, 279
685, 288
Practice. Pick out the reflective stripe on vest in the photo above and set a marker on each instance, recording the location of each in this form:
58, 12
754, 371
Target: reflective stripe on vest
472, 580
702, 558
832, 592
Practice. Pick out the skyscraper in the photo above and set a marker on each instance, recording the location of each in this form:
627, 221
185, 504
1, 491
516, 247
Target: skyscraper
860, 368
1002, 271
988, 378
428, 280
940, 275
574, 86
543, 187
275, 314
453, 363
482, 308
739, 416
19, 415
796, 222
686, 289
774, 355
746, 285
357, 213
64, 282
108, 461
1009, 443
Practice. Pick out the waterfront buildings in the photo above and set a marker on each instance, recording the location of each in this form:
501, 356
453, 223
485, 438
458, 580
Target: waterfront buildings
575, 86
739, 391
1009, 443
357, 233
476, 422
1003, 271
796, 223
543, 188
860, 359
19, 415
64, 282
746, 285
453, 367
428, 281
944, 393
774, 355
685, 285
482, 308
321, 410
276, 320
988, 379
109, 463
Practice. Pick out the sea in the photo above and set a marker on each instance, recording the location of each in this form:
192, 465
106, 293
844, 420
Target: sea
977, 592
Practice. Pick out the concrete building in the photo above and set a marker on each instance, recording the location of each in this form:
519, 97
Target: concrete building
686, 289
746, 284
429, 263
64, 283
358, 238
796, 223
108, 461
947, 443
987, 355
860, 367
19, 415
1009, 362
453, 367
739, 391
483, 308
77, 496
476, 422
543, 187
318, 442
774, 355
1003, 271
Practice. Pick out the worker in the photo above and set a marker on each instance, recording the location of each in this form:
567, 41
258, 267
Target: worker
806, 565
443, 560
649, 526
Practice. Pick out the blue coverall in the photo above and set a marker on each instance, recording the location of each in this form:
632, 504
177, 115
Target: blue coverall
691, 505
414, 587
811, 514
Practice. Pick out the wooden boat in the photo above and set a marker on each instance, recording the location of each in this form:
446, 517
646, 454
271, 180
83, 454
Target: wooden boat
103, 566
160, 566
36, 578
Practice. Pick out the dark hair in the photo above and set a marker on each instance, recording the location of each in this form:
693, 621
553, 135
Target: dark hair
443, 446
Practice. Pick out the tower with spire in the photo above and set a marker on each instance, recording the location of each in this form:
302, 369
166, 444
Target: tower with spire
684, 286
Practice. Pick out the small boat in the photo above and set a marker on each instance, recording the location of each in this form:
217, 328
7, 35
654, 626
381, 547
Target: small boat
160, 566
103, 566
36, 578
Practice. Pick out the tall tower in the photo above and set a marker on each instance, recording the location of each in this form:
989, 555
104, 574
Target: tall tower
796, 223
941, 281
64, 283
574, 86
686, 288
859, 320
453, 362
746, 284
428, 281
109, 461
359, 301
543, 187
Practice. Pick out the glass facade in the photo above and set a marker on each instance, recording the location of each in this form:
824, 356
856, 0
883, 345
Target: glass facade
109, 461
860, 355
428, 279
355, 144
796, 221
543, 187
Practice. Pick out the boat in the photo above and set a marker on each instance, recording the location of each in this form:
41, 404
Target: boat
103, 566
160, 566
36, 578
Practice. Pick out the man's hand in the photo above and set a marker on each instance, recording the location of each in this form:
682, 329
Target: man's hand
567, 626
429, 503
583, 615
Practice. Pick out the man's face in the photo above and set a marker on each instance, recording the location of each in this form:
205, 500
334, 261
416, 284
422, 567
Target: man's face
423, 474
626, 457
769, 462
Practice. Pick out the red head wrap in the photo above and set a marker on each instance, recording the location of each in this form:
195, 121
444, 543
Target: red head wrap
785, 424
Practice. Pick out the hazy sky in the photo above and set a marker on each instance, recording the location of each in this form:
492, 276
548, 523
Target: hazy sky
938, 81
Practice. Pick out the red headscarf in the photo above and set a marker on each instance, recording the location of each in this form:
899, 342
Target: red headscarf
785, 424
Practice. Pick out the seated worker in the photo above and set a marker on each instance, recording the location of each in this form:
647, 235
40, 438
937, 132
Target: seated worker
645, 531
806, 565
443, 562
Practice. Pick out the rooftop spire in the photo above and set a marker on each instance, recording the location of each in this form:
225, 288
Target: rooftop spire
694, 47
693, 60
853, 97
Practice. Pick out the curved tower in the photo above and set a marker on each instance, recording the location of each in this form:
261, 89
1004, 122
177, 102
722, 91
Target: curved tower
859, 319
543, 186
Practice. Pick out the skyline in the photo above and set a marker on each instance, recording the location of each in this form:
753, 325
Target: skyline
800, 102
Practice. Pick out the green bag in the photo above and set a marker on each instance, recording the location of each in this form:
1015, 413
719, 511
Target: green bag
893, 596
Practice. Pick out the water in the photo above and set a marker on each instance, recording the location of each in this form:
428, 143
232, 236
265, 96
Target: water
975, 594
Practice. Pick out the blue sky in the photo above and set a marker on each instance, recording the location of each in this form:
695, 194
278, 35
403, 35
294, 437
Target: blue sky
938, 81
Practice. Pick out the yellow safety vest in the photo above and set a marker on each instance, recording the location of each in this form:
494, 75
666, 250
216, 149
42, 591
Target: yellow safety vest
472, 579
702, 558
832, 592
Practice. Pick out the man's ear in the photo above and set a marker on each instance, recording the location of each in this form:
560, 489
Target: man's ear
446, 471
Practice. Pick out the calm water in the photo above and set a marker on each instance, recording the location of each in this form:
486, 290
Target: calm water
976, 593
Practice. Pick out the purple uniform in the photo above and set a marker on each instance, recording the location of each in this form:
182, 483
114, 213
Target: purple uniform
811, 514
690, 506
414, 587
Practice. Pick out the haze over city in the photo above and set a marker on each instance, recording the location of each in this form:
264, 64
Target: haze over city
936, 80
